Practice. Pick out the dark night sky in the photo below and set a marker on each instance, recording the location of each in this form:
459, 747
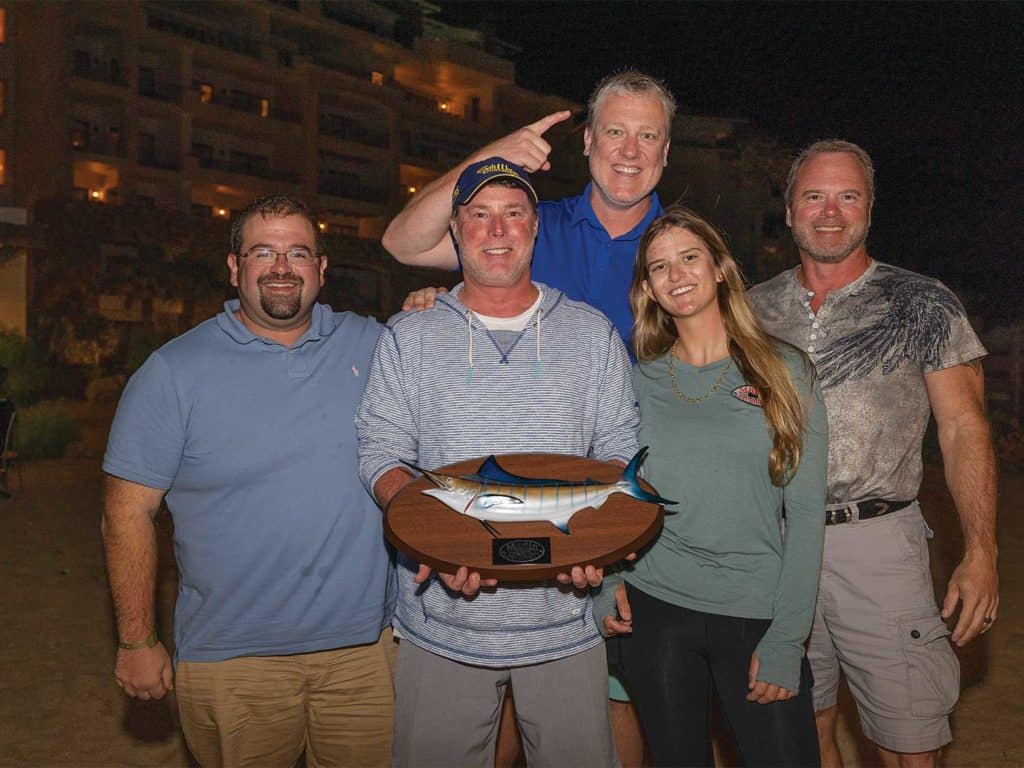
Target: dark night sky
934, 91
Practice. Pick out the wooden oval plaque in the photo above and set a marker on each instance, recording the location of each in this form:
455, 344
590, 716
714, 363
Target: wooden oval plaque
429, 532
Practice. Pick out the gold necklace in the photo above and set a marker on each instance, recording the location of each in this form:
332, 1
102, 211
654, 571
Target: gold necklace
682, 395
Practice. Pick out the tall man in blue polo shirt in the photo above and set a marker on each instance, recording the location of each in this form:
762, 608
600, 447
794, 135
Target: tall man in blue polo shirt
244, 426
586, 244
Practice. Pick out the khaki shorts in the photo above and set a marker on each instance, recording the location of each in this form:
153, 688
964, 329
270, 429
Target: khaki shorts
338, 705
876, 620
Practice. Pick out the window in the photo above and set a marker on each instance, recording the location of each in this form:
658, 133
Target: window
264, 107
205, 91
80, 134
3, 167
377, 78
147, 81
204, 153
147, 148
82, 62
3, 26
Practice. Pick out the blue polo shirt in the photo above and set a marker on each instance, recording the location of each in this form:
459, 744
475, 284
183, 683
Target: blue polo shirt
575, 254
280, 549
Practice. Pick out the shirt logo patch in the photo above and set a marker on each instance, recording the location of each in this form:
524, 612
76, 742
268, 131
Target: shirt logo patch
355, 371
748, 394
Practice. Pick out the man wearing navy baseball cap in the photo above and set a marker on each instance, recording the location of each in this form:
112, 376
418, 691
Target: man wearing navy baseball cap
502, 364
477, 175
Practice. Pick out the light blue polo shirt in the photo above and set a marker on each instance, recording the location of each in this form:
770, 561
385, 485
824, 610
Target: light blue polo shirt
279, 546
575, 254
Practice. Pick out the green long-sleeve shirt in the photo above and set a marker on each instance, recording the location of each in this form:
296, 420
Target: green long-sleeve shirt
722, 549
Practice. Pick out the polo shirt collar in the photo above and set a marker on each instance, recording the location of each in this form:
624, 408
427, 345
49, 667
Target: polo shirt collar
584, 211
321, 324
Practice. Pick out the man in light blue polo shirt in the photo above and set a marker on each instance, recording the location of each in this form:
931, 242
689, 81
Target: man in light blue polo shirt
244, 426
586, 244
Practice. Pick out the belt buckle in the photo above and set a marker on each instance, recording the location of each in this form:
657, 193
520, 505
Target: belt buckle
839, 516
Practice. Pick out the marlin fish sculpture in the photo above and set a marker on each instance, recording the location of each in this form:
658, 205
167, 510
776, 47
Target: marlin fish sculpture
495, 495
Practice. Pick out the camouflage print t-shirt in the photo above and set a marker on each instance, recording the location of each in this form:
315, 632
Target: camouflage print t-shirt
872, 342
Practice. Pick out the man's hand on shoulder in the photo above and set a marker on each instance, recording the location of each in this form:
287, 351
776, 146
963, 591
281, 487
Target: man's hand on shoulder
144, 673
422, 299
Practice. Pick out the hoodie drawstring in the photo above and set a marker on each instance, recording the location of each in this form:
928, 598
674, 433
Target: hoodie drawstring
469, 327
469, 330
536, 370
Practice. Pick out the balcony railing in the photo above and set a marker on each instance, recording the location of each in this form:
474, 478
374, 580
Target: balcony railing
161, 92
350, 130
253, 105
352, 189
161, 160
199, 33
101, 72
339, 66
99, 145
249, 168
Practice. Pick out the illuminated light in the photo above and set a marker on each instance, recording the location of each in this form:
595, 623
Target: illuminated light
264, 107
221, 212
322, 226
411, 190
377, 78
95, 194
444, 105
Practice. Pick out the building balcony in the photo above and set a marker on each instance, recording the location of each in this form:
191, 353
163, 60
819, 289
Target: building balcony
352, 189
251, 105
249, 168
163, 161
349, 130
359, 73
181, 26
106, 146
165, 92
101, 72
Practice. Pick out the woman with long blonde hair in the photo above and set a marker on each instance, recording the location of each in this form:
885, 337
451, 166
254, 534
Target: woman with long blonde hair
737, 434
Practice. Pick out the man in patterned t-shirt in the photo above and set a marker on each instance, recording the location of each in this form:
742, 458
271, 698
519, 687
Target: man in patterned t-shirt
891, 347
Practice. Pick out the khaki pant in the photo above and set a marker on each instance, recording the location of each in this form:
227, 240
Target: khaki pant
264, 710
876, 622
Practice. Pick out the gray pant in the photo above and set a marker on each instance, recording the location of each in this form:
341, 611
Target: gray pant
446, 712
876, 621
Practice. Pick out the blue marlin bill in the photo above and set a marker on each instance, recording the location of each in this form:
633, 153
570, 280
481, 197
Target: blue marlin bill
494, 495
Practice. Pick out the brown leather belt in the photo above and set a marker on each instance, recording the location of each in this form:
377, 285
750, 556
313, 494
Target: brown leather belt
865, 510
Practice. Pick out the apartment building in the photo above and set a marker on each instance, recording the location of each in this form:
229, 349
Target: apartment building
193, 109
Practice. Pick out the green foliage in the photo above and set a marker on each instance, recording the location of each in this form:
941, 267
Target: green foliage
30, 374
45, 430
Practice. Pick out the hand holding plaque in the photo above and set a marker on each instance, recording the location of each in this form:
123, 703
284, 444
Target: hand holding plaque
505, 518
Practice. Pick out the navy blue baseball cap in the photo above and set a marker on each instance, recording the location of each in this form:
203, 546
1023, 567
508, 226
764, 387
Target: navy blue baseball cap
476, 175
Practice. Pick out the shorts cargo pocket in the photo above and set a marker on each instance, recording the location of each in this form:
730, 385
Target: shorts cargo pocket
933, 672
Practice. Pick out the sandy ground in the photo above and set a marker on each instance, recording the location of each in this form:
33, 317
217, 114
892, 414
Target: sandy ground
59, 704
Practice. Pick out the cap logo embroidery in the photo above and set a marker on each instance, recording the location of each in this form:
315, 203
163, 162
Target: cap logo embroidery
495, 168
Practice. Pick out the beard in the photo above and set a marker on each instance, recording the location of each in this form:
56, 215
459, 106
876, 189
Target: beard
479, 274
282, 307
804, 238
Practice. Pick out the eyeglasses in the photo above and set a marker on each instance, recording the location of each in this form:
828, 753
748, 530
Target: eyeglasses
296, 256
